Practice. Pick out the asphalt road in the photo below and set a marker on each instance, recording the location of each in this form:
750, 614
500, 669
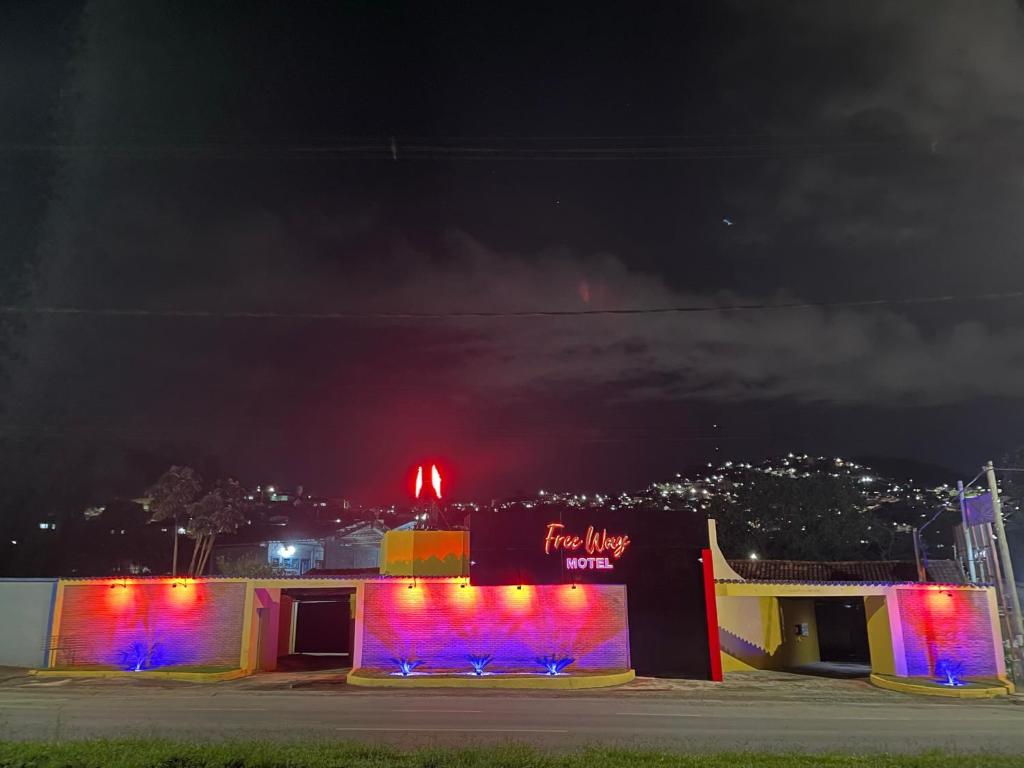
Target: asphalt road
892, 723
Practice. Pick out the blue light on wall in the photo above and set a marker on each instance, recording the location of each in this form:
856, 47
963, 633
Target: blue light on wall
950, 672
555, 664
141, 655
406, 666
479, 662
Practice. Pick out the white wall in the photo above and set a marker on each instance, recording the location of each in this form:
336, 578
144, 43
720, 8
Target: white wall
26, 608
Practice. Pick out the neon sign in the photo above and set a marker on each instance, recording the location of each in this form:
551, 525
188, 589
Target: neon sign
435, 481
596, 544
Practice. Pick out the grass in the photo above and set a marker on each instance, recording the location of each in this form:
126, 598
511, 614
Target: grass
166, 754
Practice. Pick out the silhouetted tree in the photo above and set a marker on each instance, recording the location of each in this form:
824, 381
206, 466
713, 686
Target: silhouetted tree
170, 499
221, 510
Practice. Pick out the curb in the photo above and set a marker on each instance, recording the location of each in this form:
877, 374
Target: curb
567, 682
986, 690
185, 677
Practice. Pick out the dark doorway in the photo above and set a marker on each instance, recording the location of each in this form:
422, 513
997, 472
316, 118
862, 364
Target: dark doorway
316, 629
321, 626
842, 629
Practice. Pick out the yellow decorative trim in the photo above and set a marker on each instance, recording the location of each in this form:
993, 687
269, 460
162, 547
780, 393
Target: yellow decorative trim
732, 663
58, 614
797, 589
269, 583
558, 682
248, 609
187, 677
975, 689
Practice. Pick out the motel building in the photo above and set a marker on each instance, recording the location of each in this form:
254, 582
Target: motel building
576, 599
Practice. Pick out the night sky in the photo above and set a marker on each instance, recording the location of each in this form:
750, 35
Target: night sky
193, 156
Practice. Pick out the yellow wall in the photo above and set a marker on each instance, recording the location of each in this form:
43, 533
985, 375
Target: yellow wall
797, 650
425, 553
760, 633
396, 551
731, 663
879, 635
722, 569
754, 620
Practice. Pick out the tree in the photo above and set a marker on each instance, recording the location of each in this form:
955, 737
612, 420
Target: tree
221, 510
170, 499
813, 517
202, 526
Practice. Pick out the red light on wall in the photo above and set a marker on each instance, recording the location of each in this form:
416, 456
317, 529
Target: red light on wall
120, 596
514, 625
183, 592
519, 597
939, 601
462, 595
411, 595
572, 596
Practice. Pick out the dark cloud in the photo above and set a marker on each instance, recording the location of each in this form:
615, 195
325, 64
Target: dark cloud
921, 102
893, 168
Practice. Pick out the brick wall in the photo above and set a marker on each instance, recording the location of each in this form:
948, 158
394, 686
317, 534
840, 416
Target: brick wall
200, 624
442, 622
946, 623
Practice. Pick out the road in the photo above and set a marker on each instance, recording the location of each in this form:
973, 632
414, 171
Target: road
889, 722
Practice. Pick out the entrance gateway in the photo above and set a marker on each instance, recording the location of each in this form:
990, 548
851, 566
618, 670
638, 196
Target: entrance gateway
659, 556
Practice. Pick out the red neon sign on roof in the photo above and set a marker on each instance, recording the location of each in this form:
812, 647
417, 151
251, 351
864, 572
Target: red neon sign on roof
435, 481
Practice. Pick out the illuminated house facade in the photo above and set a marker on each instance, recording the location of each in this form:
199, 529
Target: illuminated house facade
431, 611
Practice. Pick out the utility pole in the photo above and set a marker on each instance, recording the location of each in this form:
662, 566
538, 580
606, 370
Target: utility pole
921, 575
1016, 622
967, 532
174, 559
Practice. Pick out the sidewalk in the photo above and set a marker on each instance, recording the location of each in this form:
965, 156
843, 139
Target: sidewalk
738, 687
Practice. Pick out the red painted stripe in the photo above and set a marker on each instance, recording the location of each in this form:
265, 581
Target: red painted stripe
714, 649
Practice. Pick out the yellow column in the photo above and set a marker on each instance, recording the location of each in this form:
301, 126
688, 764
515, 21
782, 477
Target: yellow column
246, 661
58, 610
879, 635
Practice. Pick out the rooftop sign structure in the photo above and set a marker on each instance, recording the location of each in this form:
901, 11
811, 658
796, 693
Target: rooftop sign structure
434, 490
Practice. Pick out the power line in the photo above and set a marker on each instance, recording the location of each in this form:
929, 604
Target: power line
696, 147
23, 433
455, 315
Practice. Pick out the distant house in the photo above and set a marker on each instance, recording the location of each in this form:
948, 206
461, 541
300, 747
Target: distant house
357, 546
295, 557
295, 550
